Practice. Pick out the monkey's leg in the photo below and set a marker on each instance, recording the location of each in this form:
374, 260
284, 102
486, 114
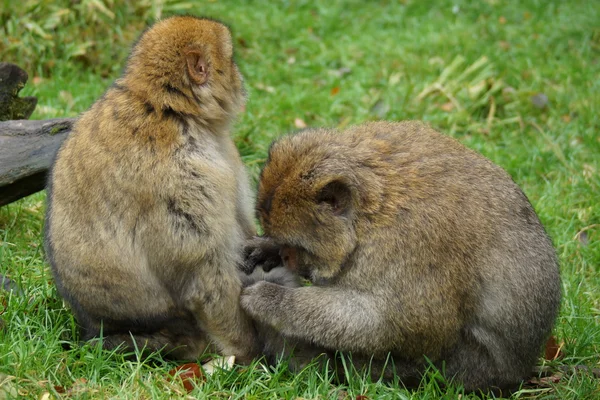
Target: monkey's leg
474, 365
332, 318
215, 302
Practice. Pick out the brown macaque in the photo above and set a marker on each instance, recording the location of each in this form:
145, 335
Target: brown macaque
149, 204
418, 249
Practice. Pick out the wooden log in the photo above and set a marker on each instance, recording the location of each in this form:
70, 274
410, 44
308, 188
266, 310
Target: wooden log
12, 80
27, 150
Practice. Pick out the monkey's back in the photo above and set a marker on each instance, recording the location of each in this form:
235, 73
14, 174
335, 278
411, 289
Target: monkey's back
464, 233
128, 217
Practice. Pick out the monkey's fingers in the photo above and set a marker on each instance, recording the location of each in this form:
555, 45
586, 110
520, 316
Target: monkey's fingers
261, 251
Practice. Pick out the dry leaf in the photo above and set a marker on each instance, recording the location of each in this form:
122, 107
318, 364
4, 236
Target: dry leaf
60, 389
395, 78
340, 72
449, 106
67, 97
546, 381
566, 118
8, 389
380, 108
539, 100
335, 90
361, 397
265, 88
188, 373
502, 20
504, 45
225, 363
299, 123
242, 42
553, 349
37, 80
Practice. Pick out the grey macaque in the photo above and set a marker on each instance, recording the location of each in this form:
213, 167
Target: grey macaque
417, 248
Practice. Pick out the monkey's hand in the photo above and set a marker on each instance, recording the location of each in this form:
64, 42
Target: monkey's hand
263, 302
331, 318
260, 251
280, 276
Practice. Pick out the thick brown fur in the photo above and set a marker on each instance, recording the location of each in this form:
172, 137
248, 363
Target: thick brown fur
149, 203
416, 246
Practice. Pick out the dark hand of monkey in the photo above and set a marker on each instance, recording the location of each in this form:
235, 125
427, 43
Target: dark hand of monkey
261, 251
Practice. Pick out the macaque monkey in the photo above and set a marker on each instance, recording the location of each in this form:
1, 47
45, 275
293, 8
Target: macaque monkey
149, 204
417, 248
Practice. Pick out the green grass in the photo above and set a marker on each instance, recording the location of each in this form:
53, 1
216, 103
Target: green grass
331, 63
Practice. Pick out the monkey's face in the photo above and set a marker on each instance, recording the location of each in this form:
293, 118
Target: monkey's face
307, 209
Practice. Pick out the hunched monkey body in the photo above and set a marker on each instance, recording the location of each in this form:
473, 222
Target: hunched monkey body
416, 246
149, 203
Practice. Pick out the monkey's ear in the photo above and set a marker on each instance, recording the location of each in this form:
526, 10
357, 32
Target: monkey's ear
337, 195
197, 66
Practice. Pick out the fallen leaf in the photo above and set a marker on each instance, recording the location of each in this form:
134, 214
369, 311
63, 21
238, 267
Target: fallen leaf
436, 61
582, 236
45, 396
37, 80
380, 108
546, 381
449, 106
225, 363
340, 72
66, 96
395, 78
539, 100
242, 42
60, 389
504, 45
589, 171
502, 20
265, 88
553, 349
8, 389
335, 90
566, 118
188, 373
299, 123
361, 397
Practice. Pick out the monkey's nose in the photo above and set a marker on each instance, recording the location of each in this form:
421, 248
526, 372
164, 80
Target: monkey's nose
289, 256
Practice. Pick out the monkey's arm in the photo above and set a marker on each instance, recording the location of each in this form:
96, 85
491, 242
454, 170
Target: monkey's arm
328, 317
